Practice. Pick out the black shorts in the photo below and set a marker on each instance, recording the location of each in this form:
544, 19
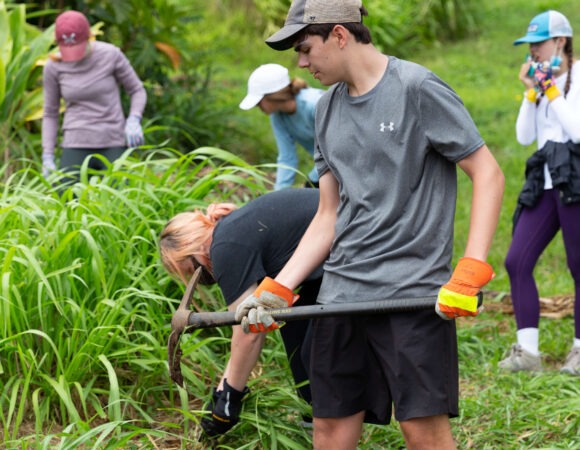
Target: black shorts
369, 363
296, 337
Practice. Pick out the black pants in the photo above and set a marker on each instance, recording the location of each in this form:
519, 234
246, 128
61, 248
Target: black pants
73, 158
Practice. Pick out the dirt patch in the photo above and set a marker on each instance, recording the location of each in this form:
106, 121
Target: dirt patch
554, 307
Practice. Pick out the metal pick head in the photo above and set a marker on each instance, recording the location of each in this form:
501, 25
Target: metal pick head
178, 324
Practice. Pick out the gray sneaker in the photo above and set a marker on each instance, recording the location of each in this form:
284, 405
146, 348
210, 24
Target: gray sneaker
572, 365
520, 359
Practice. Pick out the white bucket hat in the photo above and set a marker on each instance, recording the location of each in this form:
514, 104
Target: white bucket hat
266, 79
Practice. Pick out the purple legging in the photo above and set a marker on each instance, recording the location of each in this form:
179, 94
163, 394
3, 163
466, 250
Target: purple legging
535, 229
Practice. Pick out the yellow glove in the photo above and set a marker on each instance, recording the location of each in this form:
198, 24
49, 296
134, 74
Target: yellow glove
253, 314
461, 295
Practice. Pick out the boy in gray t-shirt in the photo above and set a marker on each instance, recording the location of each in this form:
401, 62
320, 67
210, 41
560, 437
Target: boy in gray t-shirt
389, 135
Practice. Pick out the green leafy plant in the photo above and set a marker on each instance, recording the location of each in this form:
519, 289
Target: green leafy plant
22, 48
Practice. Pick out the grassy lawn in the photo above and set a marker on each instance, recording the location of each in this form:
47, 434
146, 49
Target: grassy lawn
484, 72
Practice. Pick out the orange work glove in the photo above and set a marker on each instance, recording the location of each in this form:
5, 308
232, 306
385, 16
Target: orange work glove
252, 312
461, 295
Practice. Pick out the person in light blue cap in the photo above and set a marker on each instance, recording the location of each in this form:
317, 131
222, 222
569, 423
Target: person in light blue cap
550, 199
291, 105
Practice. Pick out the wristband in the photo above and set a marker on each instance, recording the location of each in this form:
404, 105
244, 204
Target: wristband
531, 95
552, 92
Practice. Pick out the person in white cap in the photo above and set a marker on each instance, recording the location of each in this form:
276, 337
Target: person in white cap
389, 137
550, 199
87, 75
291, 105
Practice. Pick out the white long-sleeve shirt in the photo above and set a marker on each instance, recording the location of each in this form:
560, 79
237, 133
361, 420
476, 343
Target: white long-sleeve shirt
557, 121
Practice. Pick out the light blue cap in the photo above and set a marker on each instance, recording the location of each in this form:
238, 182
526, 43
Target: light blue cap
544, 26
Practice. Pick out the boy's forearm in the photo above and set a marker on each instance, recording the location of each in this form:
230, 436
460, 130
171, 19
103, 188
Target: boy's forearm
488, 187
485, 211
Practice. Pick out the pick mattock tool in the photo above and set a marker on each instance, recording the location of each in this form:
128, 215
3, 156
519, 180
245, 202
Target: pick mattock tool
186, 321
178, 325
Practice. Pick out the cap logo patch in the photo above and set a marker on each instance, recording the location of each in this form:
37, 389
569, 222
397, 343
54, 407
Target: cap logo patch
533, 27
70, 39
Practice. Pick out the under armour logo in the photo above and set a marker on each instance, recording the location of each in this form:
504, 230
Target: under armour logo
391, 127
70, 39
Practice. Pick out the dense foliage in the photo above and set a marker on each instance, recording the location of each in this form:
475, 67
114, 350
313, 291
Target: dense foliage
402, 26
84, 302
22, 48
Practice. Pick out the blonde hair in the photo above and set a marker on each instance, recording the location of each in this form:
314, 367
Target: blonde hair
189, 234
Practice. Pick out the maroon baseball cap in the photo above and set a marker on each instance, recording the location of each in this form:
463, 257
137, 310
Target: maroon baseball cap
72, 32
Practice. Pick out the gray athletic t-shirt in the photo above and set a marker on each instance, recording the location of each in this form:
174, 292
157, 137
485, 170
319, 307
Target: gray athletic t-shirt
393, 151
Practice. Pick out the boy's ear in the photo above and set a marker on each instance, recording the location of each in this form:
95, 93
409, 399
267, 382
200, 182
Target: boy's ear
341, 34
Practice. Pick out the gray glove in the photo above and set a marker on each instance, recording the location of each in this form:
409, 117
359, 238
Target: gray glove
252, 312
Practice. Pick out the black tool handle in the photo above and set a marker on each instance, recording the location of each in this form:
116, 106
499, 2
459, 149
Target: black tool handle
220, 319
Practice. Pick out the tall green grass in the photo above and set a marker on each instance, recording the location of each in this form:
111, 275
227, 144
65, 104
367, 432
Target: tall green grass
85, 304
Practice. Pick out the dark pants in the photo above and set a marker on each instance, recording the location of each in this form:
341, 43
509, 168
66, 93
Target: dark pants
535, 229
73, 158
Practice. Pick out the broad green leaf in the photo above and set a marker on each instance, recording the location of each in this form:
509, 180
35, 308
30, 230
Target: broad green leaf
5, 39
17, 17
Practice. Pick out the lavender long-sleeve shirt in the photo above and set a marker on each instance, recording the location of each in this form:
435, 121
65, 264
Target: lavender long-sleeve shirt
94, 115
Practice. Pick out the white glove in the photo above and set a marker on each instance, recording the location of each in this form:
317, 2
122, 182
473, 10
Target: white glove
133, 131
48, 164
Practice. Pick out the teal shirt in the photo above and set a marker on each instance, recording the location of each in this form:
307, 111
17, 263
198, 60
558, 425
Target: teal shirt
292, 129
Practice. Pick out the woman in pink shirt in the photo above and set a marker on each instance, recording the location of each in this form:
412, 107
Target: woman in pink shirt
87, 75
